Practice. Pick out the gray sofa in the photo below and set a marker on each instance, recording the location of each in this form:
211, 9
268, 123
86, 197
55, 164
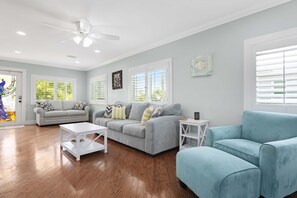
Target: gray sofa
157, 135
63, 113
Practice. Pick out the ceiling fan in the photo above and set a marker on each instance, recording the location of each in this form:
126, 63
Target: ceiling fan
83, 33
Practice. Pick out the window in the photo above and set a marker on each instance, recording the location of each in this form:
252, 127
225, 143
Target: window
276, 76
151, 82
52, 88
270, 72
98, 90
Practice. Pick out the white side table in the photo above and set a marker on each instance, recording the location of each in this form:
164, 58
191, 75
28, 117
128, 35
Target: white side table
186, 134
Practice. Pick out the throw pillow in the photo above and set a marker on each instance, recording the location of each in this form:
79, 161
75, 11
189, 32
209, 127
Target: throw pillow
79, 106
108, 110
157, 112
46, 105
147, 114
118, 113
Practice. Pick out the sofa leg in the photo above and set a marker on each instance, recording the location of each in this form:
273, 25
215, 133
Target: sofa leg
182, 184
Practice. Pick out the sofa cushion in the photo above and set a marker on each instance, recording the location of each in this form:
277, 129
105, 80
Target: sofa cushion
137, 110
102, 121
171, 109
266, 126
68, 104
57, 104
147, 114
244, 149
118, 113
75, 112
50, 114
137, 130
127, 105
117, 125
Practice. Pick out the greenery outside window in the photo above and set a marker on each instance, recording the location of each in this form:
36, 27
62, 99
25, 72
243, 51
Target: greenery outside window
52, 88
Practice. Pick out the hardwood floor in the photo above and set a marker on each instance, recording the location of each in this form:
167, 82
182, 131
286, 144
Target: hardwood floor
31, 165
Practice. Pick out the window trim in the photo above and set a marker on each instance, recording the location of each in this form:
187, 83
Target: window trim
146, 67
251, 46
99, 78
55, 79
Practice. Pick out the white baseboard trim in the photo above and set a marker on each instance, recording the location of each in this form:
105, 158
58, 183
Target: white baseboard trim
29, 122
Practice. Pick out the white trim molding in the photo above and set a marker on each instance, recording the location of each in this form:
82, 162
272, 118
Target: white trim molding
251, 46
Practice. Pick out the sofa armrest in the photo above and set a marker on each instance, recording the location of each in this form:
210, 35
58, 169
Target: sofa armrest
277, 162
98, 114
224, 132
39, 110
161, 134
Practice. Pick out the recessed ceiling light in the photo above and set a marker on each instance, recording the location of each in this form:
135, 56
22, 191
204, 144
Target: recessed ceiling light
77, 62
97, 51
21, 33
17, 52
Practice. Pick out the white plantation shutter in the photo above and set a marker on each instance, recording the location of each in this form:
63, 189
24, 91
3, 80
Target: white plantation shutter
98, 90
157, 83
151, 82
276, 76
138, 86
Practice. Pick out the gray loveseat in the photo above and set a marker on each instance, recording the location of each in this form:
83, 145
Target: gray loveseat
157, 135
63, 113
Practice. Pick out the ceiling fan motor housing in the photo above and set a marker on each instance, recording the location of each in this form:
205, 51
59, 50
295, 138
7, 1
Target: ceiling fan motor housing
83, 26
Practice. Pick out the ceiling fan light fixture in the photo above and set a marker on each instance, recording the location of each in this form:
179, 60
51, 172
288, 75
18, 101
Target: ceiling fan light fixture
77, 39
87, 42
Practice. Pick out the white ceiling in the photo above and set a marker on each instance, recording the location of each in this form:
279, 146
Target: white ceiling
141, 24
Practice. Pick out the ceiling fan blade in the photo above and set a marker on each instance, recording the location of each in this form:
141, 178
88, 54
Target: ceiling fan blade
105, 36
59, 28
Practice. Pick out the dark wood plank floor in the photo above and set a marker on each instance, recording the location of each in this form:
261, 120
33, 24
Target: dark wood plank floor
31, 165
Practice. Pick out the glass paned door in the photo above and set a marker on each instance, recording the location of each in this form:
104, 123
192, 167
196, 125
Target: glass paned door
10, 99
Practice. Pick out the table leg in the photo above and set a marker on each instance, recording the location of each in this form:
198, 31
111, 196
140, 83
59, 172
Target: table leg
61, 139
105, 141
77, 148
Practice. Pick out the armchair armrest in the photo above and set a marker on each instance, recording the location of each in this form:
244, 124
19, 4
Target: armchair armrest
98, 114
161, 134
277, 162
39, 110
219, 133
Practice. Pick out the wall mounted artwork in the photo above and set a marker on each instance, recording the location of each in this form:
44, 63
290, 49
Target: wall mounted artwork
201, 65
117, 80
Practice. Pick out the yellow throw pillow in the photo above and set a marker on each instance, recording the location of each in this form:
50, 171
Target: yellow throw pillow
118, 113
147, 114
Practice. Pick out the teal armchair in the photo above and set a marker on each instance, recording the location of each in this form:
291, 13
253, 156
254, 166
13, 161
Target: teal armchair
267, 140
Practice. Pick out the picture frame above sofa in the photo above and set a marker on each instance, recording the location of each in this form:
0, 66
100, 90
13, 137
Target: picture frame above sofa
117, 79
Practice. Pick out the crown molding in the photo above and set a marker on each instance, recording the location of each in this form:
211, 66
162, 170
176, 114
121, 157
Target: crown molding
204, 27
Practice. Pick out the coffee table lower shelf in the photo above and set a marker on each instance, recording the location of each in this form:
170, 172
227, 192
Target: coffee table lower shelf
86, 147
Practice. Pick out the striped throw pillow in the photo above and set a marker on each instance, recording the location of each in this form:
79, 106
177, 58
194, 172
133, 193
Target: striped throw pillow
147, 114
157, 112
118, 112
108, 110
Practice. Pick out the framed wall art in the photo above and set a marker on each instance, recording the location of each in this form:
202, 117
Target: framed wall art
117, 80
201, 65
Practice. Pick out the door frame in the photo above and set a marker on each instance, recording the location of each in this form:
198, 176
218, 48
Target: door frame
24, 88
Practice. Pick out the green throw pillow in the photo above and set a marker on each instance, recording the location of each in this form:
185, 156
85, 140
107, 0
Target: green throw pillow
147, 114
118, 112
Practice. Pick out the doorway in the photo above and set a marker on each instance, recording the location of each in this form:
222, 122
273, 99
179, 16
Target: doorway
10, 98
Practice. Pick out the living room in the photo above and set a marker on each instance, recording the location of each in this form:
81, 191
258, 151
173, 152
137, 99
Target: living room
195, 60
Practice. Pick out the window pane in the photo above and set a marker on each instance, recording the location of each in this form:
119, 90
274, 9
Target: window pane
44, 90
97, 90
138, 87
64, 91
157, 85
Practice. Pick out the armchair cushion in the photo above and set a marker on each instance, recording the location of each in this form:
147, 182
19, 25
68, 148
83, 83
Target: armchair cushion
244, 149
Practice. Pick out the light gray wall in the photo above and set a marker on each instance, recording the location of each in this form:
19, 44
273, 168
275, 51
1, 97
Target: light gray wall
219, 97
49, 71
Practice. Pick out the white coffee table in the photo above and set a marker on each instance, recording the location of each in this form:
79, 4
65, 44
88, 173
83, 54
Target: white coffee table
73, 138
